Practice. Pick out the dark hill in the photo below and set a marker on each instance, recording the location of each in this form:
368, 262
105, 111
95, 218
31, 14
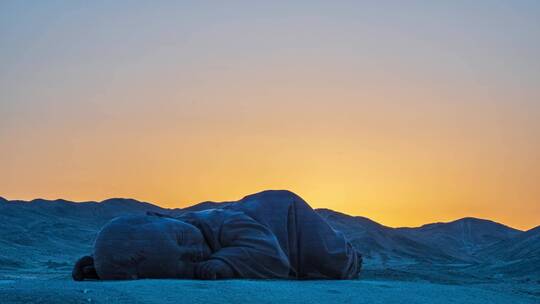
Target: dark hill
461, 238
54, 233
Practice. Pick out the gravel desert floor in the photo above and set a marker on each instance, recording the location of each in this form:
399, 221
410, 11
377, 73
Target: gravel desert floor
59, 288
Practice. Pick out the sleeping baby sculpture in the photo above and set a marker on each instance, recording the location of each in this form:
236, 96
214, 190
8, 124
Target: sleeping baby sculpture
269, 235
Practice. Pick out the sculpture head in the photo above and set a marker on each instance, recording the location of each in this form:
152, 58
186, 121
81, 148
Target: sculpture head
148, 246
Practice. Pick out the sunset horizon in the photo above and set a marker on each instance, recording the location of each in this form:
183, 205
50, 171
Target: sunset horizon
190, 204
403, 114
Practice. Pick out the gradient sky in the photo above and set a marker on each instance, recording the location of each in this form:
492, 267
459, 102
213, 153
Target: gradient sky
406, 114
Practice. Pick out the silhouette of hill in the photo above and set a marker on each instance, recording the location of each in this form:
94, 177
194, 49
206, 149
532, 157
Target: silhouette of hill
54, 233
380, 243
204, 206
518, 256
461, 238
55, 230
523, 245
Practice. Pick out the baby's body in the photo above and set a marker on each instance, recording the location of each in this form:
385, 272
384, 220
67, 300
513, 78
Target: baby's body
271, 234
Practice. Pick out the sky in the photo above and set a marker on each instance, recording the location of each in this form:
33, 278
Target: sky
404, 112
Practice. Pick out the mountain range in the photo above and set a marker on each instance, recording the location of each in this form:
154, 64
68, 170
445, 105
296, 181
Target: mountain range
54, 233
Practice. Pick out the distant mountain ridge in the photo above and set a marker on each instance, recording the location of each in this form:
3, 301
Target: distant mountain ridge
55, 232
463, 237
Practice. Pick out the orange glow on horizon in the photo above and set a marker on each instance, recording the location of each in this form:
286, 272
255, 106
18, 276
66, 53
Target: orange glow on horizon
405, 115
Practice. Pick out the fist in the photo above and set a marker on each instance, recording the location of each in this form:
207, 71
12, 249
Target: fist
213, 270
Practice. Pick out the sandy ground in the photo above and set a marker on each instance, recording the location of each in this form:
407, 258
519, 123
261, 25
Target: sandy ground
58, 288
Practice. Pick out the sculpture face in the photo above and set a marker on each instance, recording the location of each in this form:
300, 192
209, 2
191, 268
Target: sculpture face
136, 247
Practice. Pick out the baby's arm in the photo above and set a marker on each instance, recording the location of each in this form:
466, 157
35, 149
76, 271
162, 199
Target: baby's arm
249, 250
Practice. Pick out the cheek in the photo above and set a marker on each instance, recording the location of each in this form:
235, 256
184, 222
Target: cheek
185, 270
163, 267
111, 271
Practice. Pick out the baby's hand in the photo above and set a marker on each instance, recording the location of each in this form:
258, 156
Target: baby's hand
213, 270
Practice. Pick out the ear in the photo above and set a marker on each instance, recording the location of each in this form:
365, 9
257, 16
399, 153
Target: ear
83, 269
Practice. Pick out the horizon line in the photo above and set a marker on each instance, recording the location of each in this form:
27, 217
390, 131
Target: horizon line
343, 213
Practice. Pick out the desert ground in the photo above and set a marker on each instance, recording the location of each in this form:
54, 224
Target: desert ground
57, 287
